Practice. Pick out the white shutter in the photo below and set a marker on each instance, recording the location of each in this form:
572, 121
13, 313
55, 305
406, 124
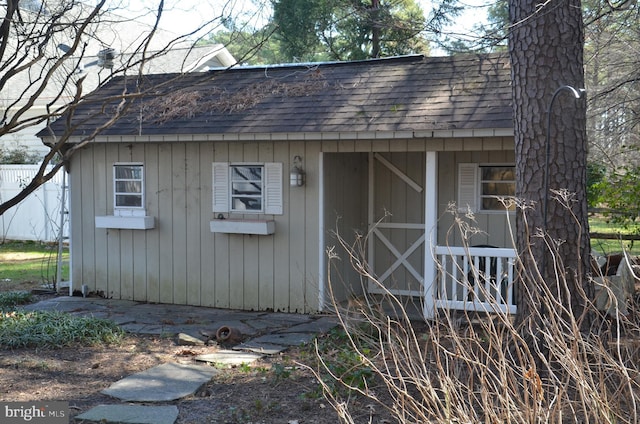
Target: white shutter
220, 187
468, 191
273, 188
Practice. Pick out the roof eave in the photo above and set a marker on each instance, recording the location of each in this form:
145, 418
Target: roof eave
309, 136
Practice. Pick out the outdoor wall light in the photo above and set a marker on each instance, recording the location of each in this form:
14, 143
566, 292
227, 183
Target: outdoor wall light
297, 174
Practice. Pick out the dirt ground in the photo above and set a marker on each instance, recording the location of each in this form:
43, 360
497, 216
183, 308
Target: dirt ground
261, 393
272, 390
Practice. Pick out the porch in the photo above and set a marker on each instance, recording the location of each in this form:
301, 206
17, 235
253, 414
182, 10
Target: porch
408, 249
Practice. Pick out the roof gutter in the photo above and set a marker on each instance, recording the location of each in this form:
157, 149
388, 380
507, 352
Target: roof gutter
301, 136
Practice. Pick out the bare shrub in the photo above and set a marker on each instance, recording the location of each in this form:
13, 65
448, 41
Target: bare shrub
469, 367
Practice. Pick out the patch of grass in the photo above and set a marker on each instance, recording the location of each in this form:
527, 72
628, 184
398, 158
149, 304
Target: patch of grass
599, 224
244, 367
50, 329
9, 300
24, 262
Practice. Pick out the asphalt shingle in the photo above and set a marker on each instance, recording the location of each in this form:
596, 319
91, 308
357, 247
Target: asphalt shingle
413, 93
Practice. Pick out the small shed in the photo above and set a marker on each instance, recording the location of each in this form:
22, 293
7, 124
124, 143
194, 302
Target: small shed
227, 188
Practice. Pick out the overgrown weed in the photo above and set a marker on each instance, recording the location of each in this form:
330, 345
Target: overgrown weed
469, 367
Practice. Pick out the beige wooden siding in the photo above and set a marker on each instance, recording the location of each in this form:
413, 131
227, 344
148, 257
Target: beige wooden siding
152, 175
346, 200
180, 261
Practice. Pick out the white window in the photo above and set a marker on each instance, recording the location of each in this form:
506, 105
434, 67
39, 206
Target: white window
128, 184
480, 187
247, 188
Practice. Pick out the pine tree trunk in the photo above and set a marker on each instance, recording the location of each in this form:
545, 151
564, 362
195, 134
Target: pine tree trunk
546, 50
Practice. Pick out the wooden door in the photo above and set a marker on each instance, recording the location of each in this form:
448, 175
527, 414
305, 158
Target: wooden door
397, 222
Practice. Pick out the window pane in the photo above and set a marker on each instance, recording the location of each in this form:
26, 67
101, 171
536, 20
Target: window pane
497, 182
246, 173
128, 186
127, 200
246, 188
128, 172
498, 189
498, 173
246, 203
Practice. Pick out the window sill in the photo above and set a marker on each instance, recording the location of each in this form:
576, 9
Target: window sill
126, 222
237, 226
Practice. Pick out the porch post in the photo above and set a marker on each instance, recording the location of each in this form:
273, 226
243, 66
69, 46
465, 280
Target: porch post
322, 259
431, 234
370, 217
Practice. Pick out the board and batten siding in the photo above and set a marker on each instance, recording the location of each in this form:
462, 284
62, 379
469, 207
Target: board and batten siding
180, 260
345, 220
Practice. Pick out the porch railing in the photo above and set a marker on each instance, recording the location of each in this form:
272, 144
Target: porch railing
475, 279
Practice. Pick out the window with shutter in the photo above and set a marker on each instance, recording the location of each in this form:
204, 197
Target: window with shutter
247, 188
482, 187
497, 183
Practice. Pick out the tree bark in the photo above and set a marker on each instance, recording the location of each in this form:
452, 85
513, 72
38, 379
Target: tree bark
546, 50
375, 28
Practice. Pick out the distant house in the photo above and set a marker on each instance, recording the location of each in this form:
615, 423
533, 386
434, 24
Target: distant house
227, 188
111, 43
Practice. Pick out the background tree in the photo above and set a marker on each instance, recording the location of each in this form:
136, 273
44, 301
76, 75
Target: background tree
250, 47
613, 80
489, 36
546, 50
17, 154
348, 29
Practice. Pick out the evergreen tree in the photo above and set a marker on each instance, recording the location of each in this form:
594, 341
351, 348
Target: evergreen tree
349, 29
546, 50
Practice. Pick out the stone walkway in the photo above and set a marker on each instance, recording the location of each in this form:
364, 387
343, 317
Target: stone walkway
262, 333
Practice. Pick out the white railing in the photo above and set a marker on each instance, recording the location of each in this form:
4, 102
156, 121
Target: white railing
38, 216
475, 279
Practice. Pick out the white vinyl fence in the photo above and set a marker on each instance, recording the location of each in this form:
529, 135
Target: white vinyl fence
38, 216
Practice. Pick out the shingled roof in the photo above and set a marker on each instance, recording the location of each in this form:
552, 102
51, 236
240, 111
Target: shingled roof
412, 93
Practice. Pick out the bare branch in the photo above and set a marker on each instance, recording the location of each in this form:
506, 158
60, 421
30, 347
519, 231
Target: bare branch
46, 70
